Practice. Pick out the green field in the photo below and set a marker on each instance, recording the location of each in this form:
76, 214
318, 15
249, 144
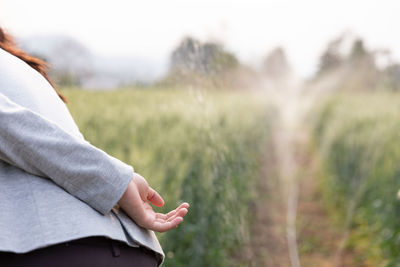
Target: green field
194, 146
357, 137
206, 147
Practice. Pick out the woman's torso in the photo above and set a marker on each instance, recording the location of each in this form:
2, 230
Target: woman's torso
35, 212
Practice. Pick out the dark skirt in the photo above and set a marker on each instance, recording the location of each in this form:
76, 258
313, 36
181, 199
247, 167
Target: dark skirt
91, 251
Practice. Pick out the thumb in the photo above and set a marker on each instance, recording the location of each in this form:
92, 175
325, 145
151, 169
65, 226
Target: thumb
155, 198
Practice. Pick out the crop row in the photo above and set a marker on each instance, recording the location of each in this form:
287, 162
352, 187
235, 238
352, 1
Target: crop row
358, 140
194, 146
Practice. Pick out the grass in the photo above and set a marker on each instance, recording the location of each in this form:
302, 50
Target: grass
194, 146
358, 139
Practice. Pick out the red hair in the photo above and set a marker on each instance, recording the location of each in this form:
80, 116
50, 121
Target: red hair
7, 43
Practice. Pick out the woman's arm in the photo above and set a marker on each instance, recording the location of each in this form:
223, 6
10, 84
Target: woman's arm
39, 146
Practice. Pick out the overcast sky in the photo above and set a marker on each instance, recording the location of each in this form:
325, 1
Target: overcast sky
249, 28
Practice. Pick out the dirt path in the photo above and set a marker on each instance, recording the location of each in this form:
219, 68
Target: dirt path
318, 237
291, 226
268, 245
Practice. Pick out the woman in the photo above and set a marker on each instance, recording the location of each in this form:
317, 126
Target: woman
63, 202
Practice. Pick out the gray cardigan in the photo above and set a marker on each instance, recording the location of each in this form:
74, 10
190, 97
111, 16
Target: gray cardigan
54, 185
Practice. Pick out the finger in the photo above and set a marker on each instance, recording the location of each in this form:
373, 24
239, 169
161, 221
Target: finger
168, 215
165, 226
155, 198
161, 216
173, 212
184, 205
181, 213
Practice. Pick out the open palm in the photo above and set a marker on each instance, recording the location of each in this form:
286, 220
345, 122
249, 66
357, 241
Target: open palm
136, 203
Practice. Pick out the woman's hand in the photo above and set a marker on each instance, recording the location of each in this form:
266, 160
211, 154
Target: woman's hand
135, 202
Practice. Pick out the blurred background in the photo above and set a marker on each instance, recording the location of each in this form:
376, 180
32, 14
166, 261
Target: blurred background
277, 120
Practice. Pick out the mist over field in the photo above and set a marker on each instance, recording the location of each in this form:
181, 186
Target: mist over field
280, 171
283, 164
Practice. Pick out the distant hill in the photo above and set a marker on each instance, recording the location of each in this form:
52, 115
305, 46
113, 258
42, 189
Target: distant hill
74, 64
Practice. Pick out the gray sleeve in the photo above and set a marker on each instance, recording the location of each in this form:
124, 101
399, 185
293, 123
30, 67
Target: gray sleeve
38, 146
